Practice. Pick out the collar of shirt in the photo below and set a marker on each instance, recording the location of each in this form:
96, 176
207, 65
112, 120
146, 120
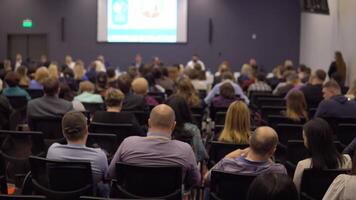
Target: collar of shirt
243, 159
75, 145
158, 135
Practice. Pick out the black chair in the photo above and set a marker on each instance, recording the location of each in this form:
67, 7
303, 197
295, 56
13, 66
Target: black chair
346, 133
273, 120
139, 182
142, 117
16, 147
316, 182
18, 102
219, 150
22, 197
198, 120
220, 118
102, 198
335, 121
229, 186
214, 110
35, 93
271, 110
159, 96
121, 131
289, 132
93, 107
59, 179
51, 127
271, 101
107, 142
3, 181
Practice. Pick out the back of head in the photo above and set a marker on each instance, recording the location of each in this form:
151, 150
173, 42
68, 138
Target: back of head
333, 86
228, 76
124, 83
86, 86
114, 98
320, 74
111, 72
41, 74
65, 92
140, 86
293, 78
296, 105
51, 86
227, 91
181, 109
264, 141
261, 77
74, 126
318, 138
53, 70
162, 117
272, 187
12, 79
246, 69
22, 71
102, 79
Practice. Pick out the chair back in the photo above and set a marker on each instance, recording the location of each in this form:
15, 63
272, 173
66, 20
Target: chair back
271, 101
35, 93
296, 151
61, 179
18, 102
107, 142
220, 118
121, 131
3, 181
51, 127
219, 150
273, 120
229, 186
346, 133
21, 197
289, 132
161, 182
316, 182
271, 110
93, 107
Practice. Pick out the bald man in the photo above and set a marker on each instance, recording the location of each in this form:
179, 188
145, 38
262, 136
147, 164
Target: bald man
256, 159
158, 148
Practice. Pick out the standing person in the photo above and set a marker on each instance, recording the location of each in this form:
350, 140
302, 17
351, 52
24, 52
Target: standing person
338, 66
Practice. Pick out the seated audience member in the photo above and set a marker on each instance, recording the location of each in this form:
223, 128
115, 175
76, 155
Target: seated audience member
304, 73
12, 80
132, 102
67, 94
194, 76
237, 127
79, 72
351, 93
195, 60
335, 104
174, 72
158, 148
223, 67
338, 67
92, 72
318, 139
24, 79
53, 71
247, 76
343, 187
272, 187
113, 114
187, 91
275, 77
313, 90
161, 78
5, 112
50, 105
296, 107
152, 85
186, 130
101, 84
86, 89
291, 78
68, 60
226, 77
112, 77
260, 85
256, 159
140, 87
226, 96
41, 75
74, 125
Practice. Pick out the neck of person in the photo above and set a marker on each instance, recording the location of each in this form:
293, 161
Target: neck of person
160, 132
78, 142
252, 156
317, 82
113, 109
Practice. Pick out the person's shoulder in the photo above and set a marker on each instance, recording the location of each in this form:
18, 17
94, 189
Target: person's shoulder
54, 147
306, 163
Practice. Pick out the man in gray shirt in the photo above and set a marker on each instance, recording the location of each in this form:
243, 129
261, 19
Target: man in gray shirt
76, 133
158, 148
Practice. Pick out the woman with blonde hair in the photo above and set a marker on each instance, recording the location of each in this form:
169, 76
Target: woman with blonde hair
79, 71
41, 75
24, 79
296, 106
237, 124
53, 70
188, 92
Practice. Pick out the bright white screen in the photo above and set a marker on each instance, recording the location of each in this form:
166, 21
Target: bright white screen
147, 21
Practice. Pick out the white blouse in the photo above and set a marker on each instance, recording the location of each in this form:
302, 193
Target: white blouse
342, 188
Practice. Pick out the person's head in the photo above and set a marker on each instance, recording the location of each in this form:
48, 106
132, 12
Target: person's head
41, 74
272, 187
43, 58
338, 56
237, 123
224, 67
162, 120
261, 77
65, 92
330, 89
68, 59
74, 126
139, 86
181, 109
86, 86
22, 71
79, 71
114, 99
318, 77
228, 76
124, 83
138, 58
102, 80
318, 138
51, 86
101, 58
188, 92
111, 73
53, 70
227, 91
18, 57
296, 106
246, 70
252, 62
132, 71
12, 79
263, 142
288, 63
293, 79
195, 58
156, 60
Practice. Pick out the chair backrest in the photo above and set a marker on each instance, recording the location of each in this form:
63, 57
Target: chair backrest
121, 131
296, 151
346, 133
271, 101
93, 107
107, 142
61, 179
142, 117
229, 186
3, 181
289, 132
316, 182
21, 197
35, 93
271, 110
18, 102
162, 182
219, 150
51, 127
273, 120
335, 121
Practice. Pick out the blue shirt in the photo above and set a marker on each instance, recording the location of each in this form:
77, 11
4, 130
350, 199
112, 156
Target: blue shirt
35, 85
216, 90
16, 91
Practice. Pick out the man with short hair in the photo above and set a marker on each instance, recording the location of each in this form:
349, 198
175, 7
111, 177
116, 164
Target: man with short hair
75, 131
335, 104
256, 159
195, 60
313, 90
158, 148
260, 85
132, 102
50, 105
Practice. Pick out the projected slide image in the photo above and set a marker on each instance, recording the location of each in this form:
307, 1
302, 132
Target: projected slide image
142, 21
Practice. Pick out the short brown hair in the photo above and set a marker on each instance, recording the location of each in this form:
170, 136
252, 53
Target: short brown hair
86, 86
227, 91
124, 83
74, 125
114, 97
12, 79
51, 86
320, 74
332, 85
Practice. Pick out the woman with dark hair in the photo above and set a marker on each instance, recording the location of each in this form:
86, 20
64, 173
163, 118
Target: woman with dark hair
187, 91
343, 187
66, 93
185, 130
272, 187
318, 139
226, 96
101, 83
339, 67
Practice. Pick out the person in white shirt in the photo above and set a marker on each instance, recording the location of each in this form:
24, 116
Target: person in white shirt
69, 61
195, 60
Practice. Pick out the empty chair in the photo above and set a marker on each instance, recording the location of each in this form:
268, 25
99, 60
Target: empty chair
59, 179
220, 118
35, 93
289, 132
229, 186
219, 150
22, 197
315, 183
161, 182
142, 117
346, 133
51, 127
93, 107
107, 142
